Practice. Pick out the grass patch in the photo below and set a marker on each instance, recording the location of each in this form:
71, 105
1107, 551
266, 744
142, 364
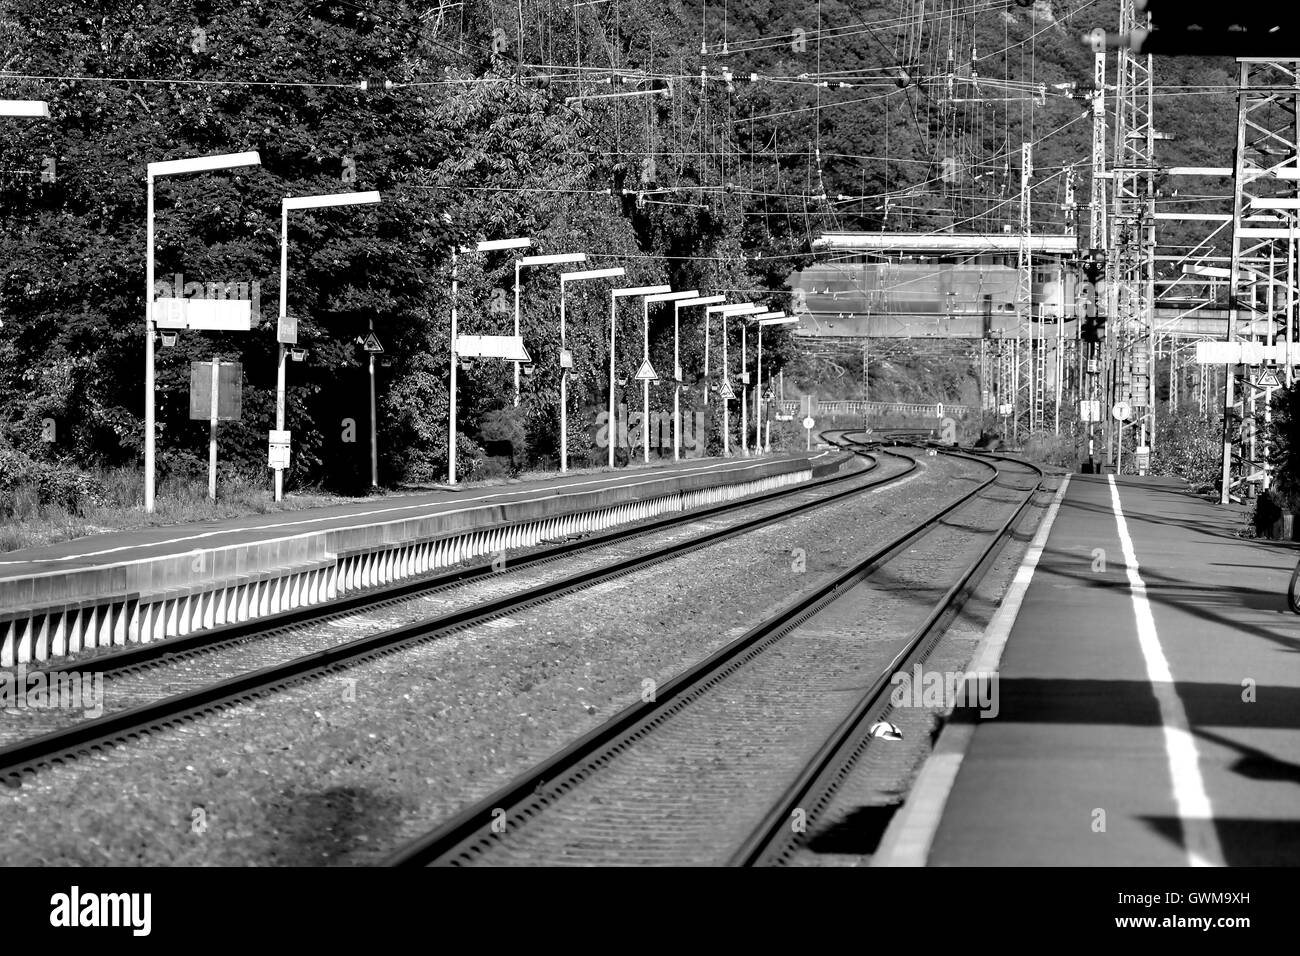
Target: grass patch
112, 499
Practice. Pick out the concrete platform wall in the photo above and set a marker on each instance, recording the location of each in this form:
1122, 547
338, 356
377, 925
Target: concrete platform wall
47, 616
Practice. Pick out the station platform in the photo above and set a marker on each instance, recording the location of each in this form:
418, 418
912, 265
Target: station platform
1148, 698
159, 582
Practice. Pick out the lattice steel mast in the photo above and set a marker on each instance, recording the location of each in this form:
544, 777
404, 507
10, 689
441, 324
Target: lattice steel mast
1266, 212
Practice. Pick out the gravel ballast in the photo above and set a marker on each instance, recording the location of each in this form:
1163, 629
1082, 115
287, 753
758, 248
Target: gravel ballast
342, 769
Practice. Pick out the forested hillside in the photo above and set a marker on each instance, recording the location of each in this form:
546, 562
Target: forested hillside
771, 122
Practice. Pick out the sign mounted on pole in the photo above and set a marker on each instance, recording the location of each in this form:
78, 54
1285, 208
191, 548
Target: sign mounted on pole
278, 449
208, 315
287, 331
230, 380
372, 344
646, 372
508, 347
1121, 411
725, 390
1089, 410
1245, 353
1268, 379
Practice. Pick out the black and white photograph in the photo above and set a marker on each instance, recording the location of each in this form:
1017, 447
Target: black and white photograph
649, 436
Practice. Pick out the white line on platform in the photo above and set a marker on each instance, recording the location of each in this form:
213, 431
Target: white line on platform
910, 835
547, 492
1194, 810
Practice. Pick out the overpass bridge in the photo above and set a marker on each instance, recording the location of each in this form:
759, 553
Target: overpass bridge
821, 323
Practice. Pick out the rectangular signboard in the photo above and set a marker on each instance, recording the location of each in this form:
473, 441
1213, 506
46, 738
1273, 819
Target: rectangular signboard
211, 315
230, 380
1245, 353
508, 347
287, 331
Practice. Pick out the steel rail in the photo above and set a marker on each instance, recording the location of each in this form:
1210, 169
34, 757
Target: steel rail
168, 649
473, 829
26, 756
774, 840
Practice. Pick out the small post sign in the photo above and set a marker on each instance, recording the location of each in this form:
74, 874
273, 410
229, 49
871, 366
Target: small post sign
1142, 459
287, 330
278, 448
229, 387
216, 395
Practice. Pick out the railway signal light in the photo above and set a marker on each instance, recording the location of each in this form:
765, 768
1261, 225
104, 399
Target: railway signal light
1205, 28
1094, 327
1094, 266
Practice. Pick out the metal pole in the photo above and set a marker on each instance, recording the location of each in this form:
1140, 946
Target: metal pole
677, 384
758, 396
866, 381
564, 395
451, 387
516, 364
280, 369
1059, 369
149, 415
374, 437
645, 384
212, 432
744, 393
726, 402
1290, 301
613, 431
706, 356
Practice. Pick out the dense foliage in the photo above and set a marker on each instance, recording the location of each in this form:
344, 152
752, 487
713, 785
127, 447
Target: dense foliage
774, 122
457, 144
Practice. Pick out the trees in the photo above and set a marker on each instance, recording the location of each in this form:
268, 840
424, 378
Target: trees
461, 142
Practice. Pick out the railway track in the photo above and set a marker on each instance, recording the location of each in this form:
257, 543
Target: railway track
80, 738
645, 786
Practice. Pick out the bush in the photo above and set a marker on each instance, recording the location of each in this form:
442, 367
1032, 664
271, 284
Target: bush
503, 434
1189, 447
27, 485
1056, 450
1268, 509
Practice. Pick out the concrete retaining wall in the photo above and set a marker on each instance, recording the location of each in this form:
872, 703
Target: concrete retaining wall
52, 614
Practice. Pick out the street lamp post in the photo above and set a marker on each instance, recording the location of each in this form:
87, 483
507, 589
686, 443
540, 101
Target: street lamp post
488, 246
738, 308
566, 278
284, 335
645, 356
558, 259
171, 167
766, 318
614, 296
744, 389
678, 305
758, 383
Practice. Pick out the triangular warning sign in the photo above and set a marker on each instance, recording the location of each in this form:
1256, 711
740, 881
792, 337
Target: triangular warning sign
372, 343
646, 372
1268, 379
725, 389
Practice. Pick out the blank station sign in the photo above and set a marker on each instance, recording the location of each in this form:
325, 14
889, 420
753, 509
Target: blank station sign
230, 381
